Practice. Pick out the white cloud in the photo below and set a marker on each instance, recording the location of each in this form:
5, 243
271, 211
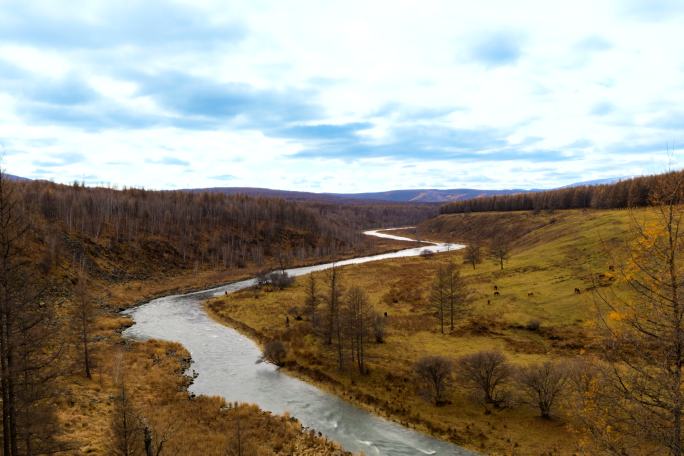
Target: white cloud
220, 86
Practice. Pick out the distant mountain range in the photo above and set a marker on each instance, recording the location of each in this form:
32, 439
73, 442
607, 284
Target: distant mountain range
610, 180
15, 178
392, 196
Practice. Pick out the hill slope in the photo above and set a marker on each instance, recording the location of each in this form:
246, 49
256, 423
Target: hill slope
537, 316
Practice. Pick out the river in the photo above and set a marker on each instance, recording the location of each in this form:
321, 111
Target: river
225, 362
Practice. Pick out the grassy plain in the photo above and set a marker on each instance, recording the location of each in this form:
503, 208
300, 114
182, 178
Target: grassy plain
553, 254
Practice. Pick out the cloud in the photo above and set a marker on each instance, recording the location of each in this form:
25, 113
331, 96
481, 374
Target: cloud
146, 23
169, 161
224, 177
603, 108
497, 49
91, 117
277, 98
324, 132
654, 10
419, 143
61, 159
594, 43
204, 100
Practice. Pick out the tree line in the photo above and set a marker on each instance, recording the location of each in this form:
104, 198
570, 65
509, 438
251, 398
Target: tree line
635, 192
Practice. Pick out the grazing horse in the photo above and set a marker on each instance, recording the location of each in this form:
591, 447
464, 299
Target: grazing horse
530, 294
496, 293
577, 291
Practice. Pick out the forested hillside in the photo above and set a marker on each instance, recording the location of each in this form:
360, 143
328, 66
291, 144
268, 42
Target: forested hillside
120, 235
636, 192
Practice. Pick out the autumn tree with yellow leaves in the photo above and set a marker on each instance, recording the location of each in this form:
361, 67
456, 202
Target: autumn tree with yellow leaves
633, 401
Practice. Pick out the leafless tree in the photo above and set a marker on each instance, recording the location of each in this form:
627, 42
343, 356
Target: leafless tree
357, 324
501, 249
439, 296
435, 374
543, 384
311, 301
457, 292
473, 253
159, 427
84, 314
127, 429
448, 294
334, 328
487, 371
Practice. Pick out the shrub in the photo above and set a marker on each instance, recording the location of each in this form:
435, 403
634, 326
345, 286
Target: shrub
543, 384
274, 352
378, 326
435, 374
427, 253
280, 279
533, 325
487, 371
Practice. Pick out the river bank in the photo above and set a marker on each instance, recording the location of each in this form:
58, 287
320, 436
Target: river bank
224, 361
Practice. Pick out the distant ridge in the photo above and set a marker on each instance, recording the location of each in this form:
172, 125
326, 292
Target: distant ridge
425, 195
609, 180
392, 196
12, 177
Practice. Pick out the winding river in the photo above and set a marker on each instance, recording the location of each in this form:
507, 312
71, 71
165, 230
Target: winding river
224, 360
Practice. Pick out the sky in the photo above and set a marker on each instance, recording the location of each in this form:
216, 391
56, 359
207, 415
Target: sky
344, 96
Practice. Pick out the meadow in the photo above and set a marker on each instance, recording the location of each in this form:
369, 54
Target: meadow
537, 315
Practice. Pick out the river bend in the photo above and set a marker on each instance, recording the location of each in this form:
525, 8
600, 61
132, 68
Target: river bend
224, 360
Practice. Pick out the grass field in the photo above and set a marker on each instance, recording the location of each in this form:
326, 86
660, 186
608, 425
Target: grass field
553, 255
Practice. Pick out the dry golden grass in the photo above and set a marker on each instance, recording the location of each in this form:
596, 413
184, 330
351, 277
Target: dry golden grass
154, 372
554, 254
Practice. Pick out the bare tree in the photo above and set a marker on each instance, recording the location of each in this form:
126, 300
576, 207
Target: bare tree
473, 253
84, 314
487, 371
159, 430
126, 426
334, 325
543, 384
448, 294
311, 302
501, 249
435, 374
358, 324
457, 292
439, 295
